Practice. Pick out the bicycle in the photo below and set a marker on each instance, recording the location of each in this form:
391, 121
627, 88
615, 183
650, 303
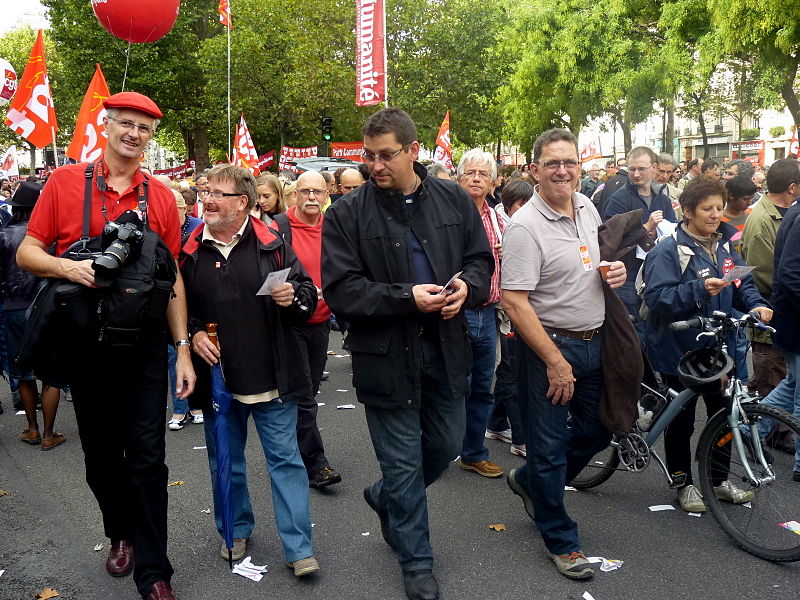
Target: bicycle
769, 525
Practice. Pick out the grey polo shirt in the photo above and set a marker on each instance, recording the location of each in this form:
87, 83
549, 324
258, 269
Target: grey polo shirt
555, 260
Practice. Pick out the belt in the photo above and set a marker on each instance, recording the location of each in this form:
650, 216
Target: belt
586, 336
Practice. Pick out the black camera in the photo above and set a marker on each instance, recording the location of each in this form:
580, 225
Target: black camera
121, 241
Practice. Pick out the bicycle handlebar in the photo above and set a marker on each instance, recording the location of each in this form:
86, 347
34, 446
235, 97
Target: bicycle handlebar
721, 322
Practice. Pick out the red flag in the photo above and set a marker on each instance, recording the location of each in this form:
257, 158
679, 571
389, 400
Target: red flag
244, 152
266, 160
370, 52
592, 150
89, 139
444, 150
224, 10
31, 113
794, 145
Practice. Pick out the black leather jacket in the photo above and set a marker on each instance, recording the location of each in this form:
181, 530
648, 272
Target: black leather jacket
19, 287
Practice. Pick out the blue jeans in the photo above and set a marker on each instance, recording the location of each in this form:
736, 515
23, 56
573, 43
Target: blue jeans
557, 454
786, 397
480, 400
276, 424
414, 447
179, 406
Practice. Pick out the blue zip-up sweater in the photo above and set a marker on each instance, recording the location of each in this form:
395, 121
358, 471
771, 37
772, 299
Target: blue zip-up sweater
672, 296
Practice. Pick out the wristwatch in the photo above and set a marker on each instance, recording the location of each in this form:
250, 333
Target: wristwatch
182, 343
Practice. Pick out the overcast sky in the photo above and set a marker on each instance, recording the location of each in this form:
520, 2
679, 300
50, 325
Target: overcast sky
20, 12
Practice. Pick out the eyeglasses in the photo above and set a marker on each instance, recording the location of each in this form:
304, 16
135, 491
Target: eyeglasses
305, 192
384, 157
217, 195
554, 165
479, 174
128, 125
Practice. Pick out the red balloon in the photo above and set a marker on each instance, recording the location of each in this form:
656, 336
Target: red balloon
137, 21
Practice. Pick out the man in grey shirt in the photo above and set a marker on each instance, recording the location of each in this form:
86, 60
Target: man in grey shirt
553, 293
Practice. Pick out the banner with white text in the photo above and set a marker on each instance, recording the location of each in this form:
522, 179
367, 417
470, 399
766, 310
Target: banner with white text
370, 52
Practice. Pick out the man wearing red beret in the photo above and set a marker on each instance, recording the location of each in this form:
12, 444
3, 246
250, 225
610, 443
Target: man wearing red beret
119, 384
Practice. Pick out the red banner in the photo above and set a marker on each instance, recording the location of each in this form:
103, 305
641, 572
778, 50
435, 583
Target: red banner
370, 52
89, 139
290, 154
175, 172
349, 150
794, 145
244, 152
444, 150
31, 113
266, 160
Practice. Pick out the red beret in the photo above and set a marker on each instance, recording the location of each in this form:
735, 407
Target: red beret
134, 101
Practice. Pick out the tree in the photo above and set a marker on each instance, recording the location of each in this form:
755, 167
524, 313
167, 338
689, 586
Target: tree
769, 31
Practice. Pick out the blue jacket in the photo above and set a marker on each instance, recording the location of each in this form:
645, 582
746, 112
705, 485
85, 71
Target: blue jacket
672, 296
786, 283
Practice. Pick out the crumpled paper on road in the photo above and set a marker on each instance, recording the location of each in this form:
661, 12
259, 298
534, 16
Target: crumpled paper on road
247, 569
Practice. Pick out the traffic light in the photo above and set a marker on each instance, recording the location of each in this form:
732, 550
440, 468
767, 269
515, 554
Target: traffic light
327, 128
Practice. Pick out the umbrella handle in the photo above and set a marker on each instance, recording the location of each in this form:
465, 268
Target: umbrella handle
211, 328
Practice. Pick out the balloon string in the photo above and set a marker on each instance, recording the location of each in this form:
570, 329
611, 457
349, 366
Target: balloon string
127, 60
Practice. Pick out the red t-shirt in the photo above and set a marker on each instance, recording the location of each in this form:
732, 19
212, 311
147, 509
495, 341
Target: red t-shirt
307, 245
58, 215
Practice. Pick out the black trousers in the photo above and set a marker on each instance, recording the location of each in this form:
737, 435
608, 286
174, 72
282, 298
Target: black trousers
678, 436
119, 397
312, 341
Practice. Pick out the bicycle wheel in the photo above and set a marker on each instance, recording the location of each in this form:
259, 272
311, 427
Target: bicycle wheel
768, 525
600, 468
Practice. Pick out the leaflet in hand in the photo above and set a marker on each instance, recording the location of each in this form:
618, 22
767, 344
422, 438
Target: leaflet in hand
447, 289
274, 279
737, 272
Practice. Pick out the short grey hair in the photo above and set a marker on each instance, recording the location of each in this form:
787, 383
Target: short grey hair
112, 113
435, 169
745, 168
666, 159
479, 156
243, 181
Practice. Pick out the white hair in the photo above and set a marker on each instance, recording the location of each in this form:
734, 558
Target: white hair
476, 155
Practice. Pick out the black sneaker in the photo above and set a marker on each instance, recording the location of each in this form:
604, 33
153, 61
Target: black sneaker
325, 477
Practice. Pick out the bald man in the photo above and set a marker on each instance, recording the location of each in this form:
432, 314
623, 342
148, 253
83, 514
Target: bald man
301, 227
349, 180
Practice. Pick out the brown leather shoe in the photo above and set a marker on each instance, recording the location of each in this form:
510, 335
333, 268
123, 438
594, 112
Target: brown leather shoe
484, 467
161, 590
120, 559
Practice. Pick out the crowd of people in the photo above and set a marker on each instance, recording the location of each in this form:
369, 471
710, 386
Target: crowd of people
477, 305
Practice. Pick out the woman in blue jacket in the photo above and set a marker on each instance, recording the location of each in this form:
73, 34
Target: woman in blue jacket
674, 294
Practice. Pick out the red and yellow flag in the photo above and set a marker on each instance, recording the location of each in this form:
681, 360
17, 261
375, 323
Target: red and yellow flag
444, 150
224, 10
31, 113
89, 139
244, 152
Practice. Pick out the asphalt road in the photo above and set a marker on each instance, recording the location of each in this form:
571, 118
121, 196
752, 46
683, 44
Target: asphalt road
50, 524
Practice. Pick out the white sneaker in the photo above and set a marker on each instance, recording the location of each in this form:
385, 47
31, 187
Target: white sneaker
503, 436
518, 450
197, 418
691, 500
728, 492
177, 424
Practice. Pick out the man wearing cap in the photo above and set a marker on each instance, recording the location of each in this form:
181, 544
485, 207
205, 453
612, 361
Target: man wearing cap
119, 393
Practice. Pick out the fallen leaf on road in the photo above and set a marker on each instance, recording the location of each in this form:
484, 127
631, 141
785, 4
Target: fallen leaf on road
174, 483
498, 527
98, 547
46, 593
3, 492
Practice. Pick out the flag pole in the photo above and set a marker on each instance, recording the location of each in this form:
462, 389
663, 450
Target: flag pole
55, 149
385, 58
228, 27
